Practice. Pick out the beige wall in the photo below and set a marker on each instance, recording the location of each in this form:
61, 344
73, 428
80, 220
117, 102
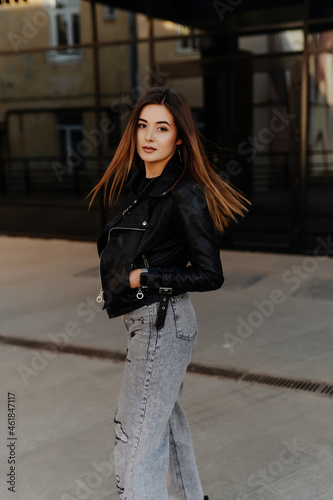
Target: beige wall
40, 140
112, 29
24, 25
38, 81
168, 50
38, 77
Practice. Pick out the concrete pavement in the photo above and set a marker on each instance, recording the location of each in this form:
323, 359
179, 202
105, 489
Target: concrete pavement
273, 316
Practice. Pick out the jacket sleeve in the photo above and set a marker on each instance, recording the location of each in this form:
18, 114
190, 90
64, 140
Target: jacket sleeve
194, 227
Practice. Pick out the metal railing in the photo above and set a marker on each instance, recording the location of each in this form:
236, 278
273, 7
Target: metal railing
41, 175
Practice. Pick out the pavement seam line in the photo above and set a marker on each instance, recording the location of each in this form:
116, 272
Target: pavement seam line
314, 386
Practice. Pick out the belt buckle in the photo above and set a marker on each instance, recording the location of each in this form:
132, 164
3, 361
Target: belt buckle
165, 290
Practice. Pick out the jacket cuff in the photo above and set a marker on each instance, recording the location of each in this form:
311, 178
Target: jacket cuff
154, 278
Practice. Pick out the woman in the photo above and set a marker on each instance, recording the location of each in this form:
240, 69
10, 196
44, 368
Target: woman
159, 245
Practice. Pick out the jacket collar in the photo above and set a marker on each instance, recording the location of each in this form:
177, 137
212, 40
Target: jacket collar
171, 174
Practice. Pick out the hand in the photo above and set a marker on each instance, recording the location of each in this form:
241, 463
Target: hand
134, 278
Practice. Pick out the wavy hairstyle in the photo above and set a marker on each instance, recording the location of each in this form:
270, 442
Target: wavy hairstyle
224, 202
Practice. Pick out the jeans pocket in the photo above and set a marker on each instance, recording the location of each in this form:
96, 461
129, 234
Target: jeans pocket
185, 319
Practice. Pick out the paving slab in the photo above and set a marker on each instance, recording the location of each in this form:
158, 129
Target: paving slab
274, 315
252, 442
265, 317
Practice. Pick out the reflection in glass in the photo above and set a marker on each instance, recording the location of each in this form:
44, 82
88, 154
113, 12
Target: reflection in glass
76, 28
193, 90
65, 29
116, 69
110, 13
323, 40
320, 9
142, 29
119, 24
169, 50
186, 45
62, 30
321, 115
270, 144
285, 41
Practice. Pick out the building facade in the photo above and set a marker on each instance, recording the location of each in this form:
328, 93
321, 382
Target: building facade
258, 78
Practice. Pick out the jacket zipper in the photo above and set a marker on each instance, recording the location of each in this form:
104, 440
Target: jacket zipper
145, 261
100, 296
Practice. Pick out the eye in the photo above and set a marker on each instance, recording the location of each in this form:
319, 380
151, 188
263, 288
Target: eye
142, 125
163, 129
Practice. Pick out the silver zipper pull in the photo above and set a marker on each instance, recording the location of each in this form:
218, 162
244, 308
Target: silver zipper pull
139, 295
100, 296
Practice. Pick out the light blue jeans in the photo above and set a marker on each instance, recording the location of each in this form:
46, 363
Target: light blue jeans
154, 458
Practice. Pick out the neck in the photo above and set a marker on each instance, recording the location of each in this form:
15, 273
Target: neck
152, 172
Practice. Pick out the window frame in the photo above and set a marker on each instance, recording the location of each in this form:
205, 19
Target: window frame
110, 15
68, 54
191, 49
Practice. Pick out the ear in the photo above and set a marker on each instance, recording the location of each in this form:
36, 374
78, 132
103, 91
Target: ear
179, 141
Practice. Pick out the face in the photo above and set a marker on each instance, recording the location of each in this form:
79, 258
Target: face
156, 139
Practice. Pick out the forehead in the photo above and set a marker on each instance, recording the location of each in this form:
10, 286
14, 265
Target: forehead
156, 113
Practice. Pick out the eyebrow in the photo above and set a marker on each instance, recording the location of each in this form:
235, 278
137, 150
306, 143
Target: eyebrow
156, 122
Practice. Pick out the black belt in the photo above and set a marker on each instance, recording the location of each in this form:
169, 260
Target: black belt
165, 292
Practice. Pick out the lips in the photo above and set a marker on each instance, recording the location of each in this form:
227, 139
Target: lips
148, 149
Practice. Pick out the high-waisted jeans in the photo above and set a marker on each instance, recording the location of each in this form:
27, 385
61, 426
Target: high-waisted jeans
154, 458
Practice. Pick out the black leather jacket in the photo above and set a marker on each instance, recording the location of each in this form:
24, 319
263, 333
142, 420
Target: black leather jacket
170, 233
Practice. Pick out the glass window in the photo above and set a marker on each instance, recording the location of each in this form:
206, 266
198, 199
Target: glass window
69, 134
33, 76
121, 88
270, 97
117, 68
118, 24
323, 40
284, 41
146, 75
142, 28
321, 115
192, 88
320, 9
69, 137
185, 45
168, 50
110, 13
320, 144
65, 29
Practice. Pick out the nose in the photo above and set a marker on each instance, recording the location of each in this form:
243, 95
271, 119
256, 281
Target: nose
149, 134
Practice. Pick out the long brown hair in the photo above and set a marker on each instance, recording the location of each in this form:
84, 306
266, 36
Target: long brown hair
224, 202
